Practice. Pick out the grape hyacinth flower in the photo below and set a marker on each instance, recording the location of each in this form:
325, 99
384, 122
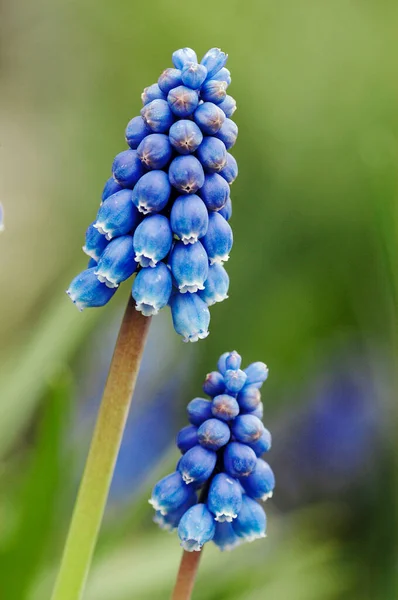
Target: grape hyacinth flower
224, 476
164, 211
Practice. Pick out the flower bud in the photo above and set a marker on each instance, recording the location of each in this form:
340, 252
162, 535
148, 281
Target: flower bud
152, 240
228, 106
169, 79
183, 101
183, 56
196, 527
263, 444
199, 410
152, 192
216, 287
189, 265
111, 187
214, 60
223, 75
152, 92
251, 521
117, 261
191, 316
225, 537
95, 242
155, 151
234, 380
247, 429
127, 168
117, 215
218, 239
213, 434
189, 218
214, 384
221, 364
170, 493
230, 171
151, 289
197, 465
209, 117
170, 521
239, 460
186, 174
193, 75
257, 373
225, 498
228, 133
226, 210
233, 361
212, 154
214, 91
136, 131
259, 485
225, 407
187, 438
215, 191
86, 291
249, 398
185, 136
158, 116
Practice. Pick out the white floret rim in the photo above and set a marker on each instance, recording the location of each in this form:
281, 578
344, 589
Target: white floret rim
145, 260
104, 277
225, 516
219, 260
187, 478
146, 308
191, 545
79, 305
103, 229
91, 253
191, 288
194, 337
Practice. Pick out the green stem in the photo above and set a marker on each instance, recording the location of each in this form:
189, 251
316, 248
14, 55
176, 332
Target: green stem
97, 476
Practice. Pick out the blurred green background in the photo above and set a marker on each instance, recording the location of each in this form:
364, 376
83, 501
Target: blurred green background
314, 281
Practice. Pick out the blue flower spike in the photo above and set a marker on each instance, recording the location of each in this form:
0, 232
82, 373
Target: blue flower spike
220, 463
167, 205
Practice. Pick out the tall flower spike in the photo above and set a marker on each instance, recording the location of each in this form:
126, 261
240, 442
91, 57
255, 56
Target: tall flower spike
169, 198
219, 463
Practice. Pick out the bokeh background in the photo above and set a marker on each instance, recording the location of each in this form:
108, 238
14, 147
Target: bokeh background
314, 280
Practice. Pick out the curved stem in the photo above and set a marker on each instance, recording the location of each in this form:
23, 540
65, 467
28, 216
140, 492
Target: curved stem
105, 444
186, 575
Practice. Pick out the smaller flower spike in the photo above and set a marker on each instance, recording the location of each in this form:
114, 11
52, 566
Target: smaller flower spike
220, 463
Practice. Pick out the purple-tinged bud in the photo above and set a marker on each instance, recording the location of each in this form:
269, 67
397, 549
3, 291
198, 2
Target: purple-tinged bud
117, 215
228, 133
169, 79
187, 438
258, 412
186, 174
152, 289
117, 261
233, 361
152, 240
239, 460
209, 117
170, 521
136, 131
185, 136
155, 151
215, 191
213, 434
263, 444
214, 91
230, 171
199, 410
152, 92
218, 239
223, 74
216, 285
228, 106
95, 243
191, 316
212, 154
221, 364
249, 398
251, 521
193, 75
247, 429
225, 498
189, 218
86, 291
183, 56
214, 60
111, 187
127, 168
225, 537
226, 210
214, 384
152, 192
234, 380
170, 493
225, 407
260, 484
190, 266
183, 101
196, 527
158, 116
256, 373
197, 465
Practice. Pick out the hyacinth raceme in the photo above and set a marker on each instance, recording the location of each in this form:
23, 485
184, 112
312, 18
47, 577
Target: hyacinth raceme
165, 210
220, 479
